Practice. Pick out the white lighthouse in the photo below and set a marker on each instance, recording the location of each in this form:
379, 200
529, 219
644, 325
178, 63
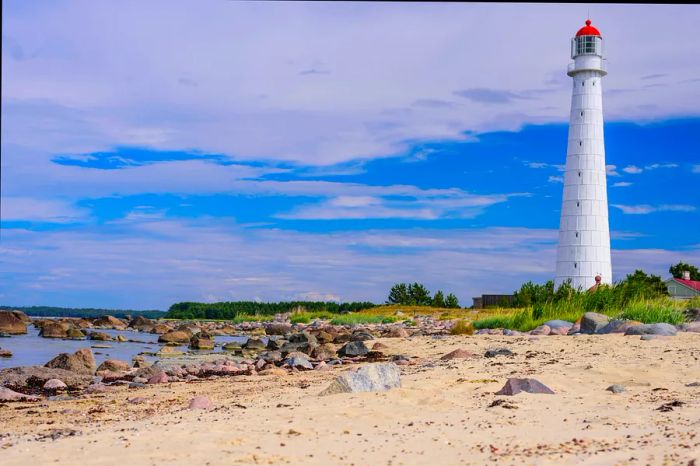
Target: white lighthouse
584, 233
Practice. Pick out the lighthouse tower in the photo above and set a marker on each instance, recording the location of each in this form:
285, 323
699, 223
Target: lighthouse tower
584, 233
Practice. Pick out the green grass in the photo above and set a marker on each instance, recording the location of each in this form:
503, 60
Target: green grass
240, 318
305, 317
646, 311
462, 327
358, 318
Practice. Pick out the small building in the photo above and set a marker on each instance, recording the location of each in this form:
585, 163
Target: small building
683, 288
493, 300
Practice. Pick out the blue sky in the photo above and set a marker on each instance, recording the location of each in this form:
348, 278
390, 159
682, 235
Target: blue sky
153, 153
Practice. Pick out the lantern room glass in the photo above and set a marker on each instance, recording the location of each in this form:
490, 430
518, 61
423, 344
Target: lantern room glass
586, 45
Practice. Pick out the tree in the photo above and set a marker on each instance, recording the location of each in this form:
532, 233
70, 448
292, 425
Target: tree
439, 299
451, 301
419, 294
398, 294
678, 269
641, 285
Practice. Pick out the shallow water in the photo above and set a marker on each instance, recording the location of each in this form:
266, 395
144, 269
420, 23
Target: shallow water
33, 350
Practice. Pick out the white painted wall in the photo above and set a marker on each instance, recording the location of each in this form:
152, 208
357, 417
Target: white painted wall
584, 232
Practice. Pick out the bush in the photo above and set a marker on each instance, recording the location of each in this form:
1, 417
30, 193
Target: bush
462, 327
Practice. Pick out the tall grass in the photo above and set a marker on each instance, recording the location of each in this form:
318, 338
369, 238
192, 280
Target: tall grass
240, 318
646, 311
358, 318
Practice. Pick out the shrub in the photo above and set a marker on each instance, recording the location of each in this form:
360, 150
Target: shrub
462, 327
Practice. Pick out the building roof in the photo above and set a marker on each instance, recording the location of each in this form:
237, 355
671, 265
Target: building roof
694, 284
588, 30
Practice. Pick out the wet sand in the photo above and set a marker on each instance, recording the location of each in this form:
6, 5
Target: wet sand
441, 415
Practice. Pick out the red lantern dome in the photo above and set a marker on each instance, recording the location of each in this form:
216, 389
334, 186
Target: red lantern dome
588, 30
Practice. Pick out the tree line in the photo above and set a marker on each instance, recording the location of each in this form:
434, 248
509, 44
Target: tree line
231, 309
52, 311
416, 294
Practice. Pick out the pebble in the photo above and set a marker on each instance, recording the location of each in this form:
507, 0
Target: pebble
200, 402
616, 388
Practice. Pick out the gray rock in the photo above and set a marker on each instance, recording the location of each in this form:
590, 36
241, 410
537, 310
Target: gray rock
19, 378
492, 353
515, 386
353, 348
558, 324
298, 362
377, 377
81, 362
10, 395
616, 388
541, 330
55, 384
661, 328
303, 337
255, 344
592, 322
617, 326
361, 335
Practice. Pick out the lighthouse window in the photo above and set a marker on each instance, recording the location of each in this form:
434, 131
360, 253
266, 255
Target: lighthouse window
581, 113
577, 204
579, 174
574, 264
580, 143
577, 234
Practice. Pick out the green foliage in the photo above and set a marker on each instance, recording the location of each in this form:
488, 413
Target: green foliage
451, 301
357, 318
677, 271
651, 312
438, 299
462, 327
304, 317
531, 294
230, 310
398, 294
419, 295
50, 311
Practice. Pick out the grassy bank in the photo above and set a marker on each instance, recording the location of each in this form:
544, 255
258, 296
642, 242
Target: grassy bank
646, 311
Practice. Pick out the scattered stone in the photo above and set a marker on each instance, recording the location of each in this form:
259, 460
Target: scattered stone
661, 328
160, 377
121, 339
99, 336
273, 371
693, 384
232, 346
503, 404
353, 348
368, 378
5, 353
653, 337
75, 334
361, 335
169, 351
378, 346
492, 353
109, 322
278, 328
616, 388
669, 406
21, 378
541, 330
255, 344
55, 384
514, 386
10, 395
202, 341
81, 362
55, 330
298, 362
200, 402
135, 384
459, 353
593, 321
98, 388
324, 351
396, 332
618, 326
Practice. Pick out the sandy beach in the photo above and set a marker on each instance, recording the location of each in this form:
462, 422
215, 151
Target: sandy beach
444, 413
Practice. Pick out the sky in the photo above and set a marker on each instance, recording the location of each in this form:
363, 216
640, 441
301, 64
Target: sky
165, 151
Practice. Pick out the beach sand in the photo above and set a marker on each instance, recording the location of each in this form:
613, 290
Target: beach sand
441, 415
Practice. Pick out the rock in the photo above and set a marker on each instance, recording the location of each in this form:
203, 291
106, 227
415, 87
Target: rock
5, 353
553, 324
169, 351
160, 377
141, 323
541, 330
514, 386
353, 348
278, 328
12, 324
324, 351
55, 384
396, 332
200, 402
25, 318
271, 356
459, 353
273, 371
361, 335
121, 339
492, 353
175, 336
618, 326
10, 395
575, 329
662, 329
255, 344
377, 377
324, 337
109, 322
232, 346
692, 314
653, 337
75, 334
303, 337
98, 388
140, 361
692, 327
99, 336
202, 341
114, 365
80, 362
379, 346
593, 321
160, 329
21, 378
55, 330
616, 388
298, 362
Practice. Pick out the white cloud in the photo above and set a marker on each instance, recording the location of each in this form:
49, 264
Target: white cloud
621, 184
556, 179
644, 209
696, 168
654, 166
611, 170
40, 210
632, 169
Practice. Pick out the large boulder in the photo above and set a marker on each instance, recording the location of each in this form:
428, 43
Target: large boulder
175, 336
100, 336
662, 329
22, 378
22, 316
114, 365
377, 377
12, 324
141, 323
618, 326
278, 328
353, 348
160, 329
10, 395
593, 321
109, 322
80, 362
55, 330
75, 334
324, 351
202, 341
